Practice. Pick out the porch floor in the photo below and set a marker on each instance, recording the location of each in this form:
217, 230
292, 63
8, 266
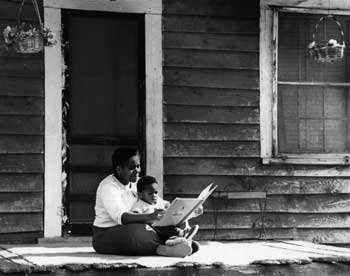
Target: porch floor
81, 257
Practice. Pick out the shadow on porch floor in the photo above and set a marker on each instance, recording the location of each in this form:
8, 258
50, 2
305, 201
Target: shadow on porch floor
216, 258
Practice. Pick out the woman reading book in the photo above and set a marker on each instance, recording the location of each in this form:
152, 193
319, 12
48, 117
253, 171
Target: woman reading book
117, 230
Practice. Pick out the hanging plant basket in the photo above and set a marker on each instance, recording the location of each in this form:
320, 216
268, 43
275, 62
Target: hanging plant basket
25, 38
29, 45
331, 51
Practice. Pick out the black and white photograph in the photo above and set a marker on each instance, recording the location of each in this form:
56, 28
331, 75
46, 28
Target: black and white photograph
175, 137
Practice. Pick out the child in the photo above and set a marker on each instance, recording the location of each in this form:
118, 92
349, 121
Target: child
148, 201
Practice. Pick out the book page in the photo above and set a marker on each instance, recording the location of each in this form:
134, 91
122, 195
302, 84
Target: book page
178, 211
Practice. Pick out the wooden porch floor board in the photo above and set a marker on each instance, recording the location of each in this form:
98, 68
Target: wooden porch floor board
230, 258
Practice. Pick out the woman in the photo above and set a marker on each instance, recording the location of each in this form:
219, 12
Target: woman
116, 230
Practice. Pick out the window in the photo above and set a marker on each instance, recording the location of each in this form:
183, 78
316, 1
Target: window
305, 104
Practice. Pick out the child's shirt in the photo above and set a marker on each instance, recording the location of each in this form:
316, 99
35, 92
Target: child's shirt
143, 207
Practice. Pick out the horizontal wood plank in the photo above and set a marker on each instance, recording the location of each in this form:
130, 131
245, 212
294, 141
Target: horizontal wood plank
9, 9
216, 8
21, 144
30, 125
200, 24
210, 132
81, 211
271, 220
211, 149
209, 96
205, 114
32, 66
21, 105
21, 163
323, 203
21, 202
210, 59
325, 235
206, 41
13, 86
85, 183
193, 184
211, 78
21, 222
91, 155
246, 166
21, 183
21, 238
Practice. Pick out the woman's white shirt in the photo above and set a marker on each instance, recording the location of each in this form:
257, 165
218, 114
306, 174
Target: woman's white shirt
112, 200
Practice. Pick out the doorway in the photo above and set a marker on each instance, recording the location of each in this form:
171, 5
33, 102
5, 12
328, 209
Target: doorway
105, 99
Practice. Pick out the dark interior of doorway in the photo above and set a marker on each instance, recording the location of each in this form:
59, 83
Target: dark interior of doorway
105, 99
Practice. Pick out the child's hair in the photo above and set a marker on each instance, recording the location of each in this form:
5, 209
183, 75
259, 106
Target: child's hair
144, 181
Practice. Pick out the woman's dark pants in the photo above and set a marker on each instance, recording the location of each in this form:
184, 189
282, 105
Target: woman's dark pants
129, 239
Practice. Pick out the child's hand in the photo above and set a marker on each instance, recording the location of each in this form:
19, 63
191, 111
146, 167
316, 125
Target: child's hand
198, 211
156, 215
166, 205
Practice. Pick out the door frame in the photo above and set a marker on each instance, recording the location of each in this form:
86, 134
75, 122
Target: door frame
54, 84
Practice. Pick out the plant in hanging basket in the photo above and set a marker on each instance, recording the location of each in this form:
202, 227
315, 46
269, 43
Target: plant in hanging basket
25, 38
331, 51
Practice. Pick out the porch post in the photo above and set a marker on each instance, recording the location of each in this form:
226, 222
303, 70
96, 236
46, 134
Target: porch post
53, 128
154, 97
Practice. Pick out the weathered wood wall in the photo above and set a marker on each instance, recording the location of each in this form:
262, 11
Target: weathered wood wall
21, 136
211, 131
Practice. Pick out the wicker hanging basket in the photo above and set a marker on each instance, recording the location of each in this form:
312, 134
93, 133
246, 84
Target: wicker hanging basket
30, 45
26, 39
330, 52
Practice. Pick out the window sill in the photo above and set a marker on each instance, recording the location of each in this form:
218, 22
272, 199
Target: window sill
309, 159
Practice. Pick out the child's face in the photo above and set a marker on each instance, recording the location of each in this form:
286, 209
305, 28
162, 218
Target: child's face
150, 193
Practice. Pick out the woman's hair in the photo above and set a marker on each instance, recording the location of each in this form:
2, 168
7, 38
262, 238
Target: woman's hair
121, 156
144, 181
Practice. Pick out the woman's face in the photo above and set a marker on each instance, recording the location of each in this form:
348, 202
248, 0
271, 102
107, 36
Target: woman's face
130, 172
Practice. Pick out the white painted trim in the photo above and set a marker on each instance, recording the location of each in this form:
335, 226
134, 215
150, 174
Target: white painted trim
154, 97
310, 159
310, 4
53, 93
53, 128
124, 6
266, 87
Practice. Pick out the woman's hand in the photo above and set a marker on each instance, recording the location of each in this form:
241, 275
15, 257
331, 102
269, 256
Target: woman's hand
156, 215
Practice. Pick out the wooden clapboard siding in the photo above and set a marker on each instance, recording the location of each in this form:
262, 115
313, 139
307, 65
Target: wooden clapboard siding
225, 220
324, 235
212, 78
21, 222
191, 184
211, 59
180, 95
238, 9
21, 202
21, 135
300, 203
211, 149
21, 182
211, 133
208, 114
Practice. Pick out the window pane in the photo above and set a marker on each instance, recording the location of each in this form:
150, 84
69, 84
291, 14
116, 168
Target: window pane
294, 61
311, 119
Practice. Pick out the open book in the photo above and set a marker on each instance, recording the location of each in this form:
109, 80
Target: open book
182, 208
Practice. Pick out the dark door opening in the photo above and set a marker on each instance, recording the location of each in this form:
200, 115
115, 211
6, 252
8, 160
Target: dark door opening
104, 55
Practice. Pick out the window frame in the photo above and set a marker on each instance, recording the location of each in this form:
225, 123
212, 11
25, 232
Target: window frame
269, 10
